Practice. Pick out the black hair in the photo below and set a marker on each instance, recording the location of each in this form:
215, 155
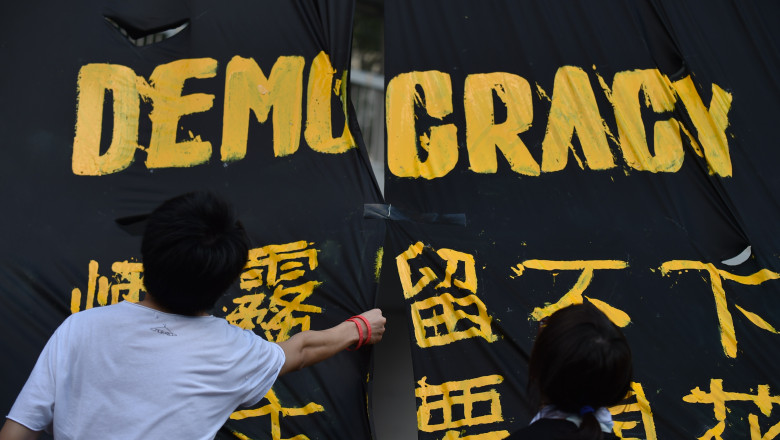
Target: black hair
193, 249
580, 359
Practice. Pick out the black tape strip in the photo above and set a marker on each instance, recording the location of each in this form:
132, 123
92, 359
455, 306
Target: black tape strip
389, 212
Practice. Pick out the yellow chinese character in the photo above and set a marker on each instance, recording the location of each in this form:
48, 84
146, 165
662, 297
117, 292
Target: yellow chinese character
574, 295
128, 277
275, 409
435, 411
437, 317
449, 317
250, 311
284, 302
280, 262
762, 399
728, 338
278, 268
642, 406
452, 259
131, 274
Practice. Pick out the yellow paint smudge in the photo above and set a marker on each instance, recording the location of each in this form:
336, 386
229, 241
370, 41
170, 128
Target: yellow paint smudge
541, 93
380, 253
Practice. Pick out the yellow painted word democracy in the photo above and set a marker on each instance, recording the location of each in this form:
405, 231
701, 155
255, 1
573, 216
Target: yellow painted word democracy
573, 108
247, 89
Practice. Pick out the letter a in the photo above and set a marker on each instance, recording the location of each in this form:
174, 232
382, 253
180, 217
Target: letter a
574, 107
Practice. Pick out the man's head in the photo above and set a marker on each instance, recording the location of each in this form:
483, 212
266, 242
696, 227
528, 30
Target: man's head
193, 249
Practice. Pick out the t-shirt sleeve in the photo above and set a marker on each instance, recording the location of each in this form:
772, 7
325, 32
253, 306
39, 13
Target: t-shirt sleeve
34, 407
268, 360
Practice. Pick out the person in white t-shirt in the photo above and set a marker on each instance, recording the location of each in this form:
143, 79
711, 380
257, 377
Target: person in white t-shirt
164, 367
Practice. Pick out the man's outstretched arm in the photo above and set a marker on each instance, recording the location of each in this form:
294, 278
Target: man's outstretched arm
312, 346
16, 431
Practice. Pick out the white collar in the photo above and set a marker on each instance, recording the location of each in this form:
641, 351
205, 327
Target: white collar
602, 414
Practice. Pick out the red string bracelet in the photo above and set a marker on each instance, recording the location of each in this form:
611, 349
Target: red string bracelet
361, 341
368, 326
360, 334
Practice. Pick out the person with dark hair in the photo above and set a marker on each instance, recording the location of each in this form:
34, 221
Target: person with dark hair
192, 250
164, 367
580, 364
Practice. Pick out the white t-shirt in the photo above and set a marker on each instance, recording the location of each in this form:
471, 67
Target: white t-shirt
130, 372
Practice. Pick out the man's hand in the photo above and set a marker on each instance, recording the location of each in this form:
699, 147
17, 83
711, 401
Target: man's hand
377, 322
309, 347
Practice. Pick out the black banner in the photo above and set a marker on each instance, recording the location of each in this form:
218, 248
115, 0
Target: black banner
539, 153
615, 151
109, 108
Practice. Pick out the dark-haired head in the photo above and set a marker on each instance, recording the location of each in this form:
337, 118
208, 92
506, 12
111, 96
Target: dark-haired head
193, 249
580, 359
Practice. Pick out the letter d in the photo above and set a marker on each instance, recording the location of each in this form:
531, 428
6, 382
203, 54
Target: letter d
94, 80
